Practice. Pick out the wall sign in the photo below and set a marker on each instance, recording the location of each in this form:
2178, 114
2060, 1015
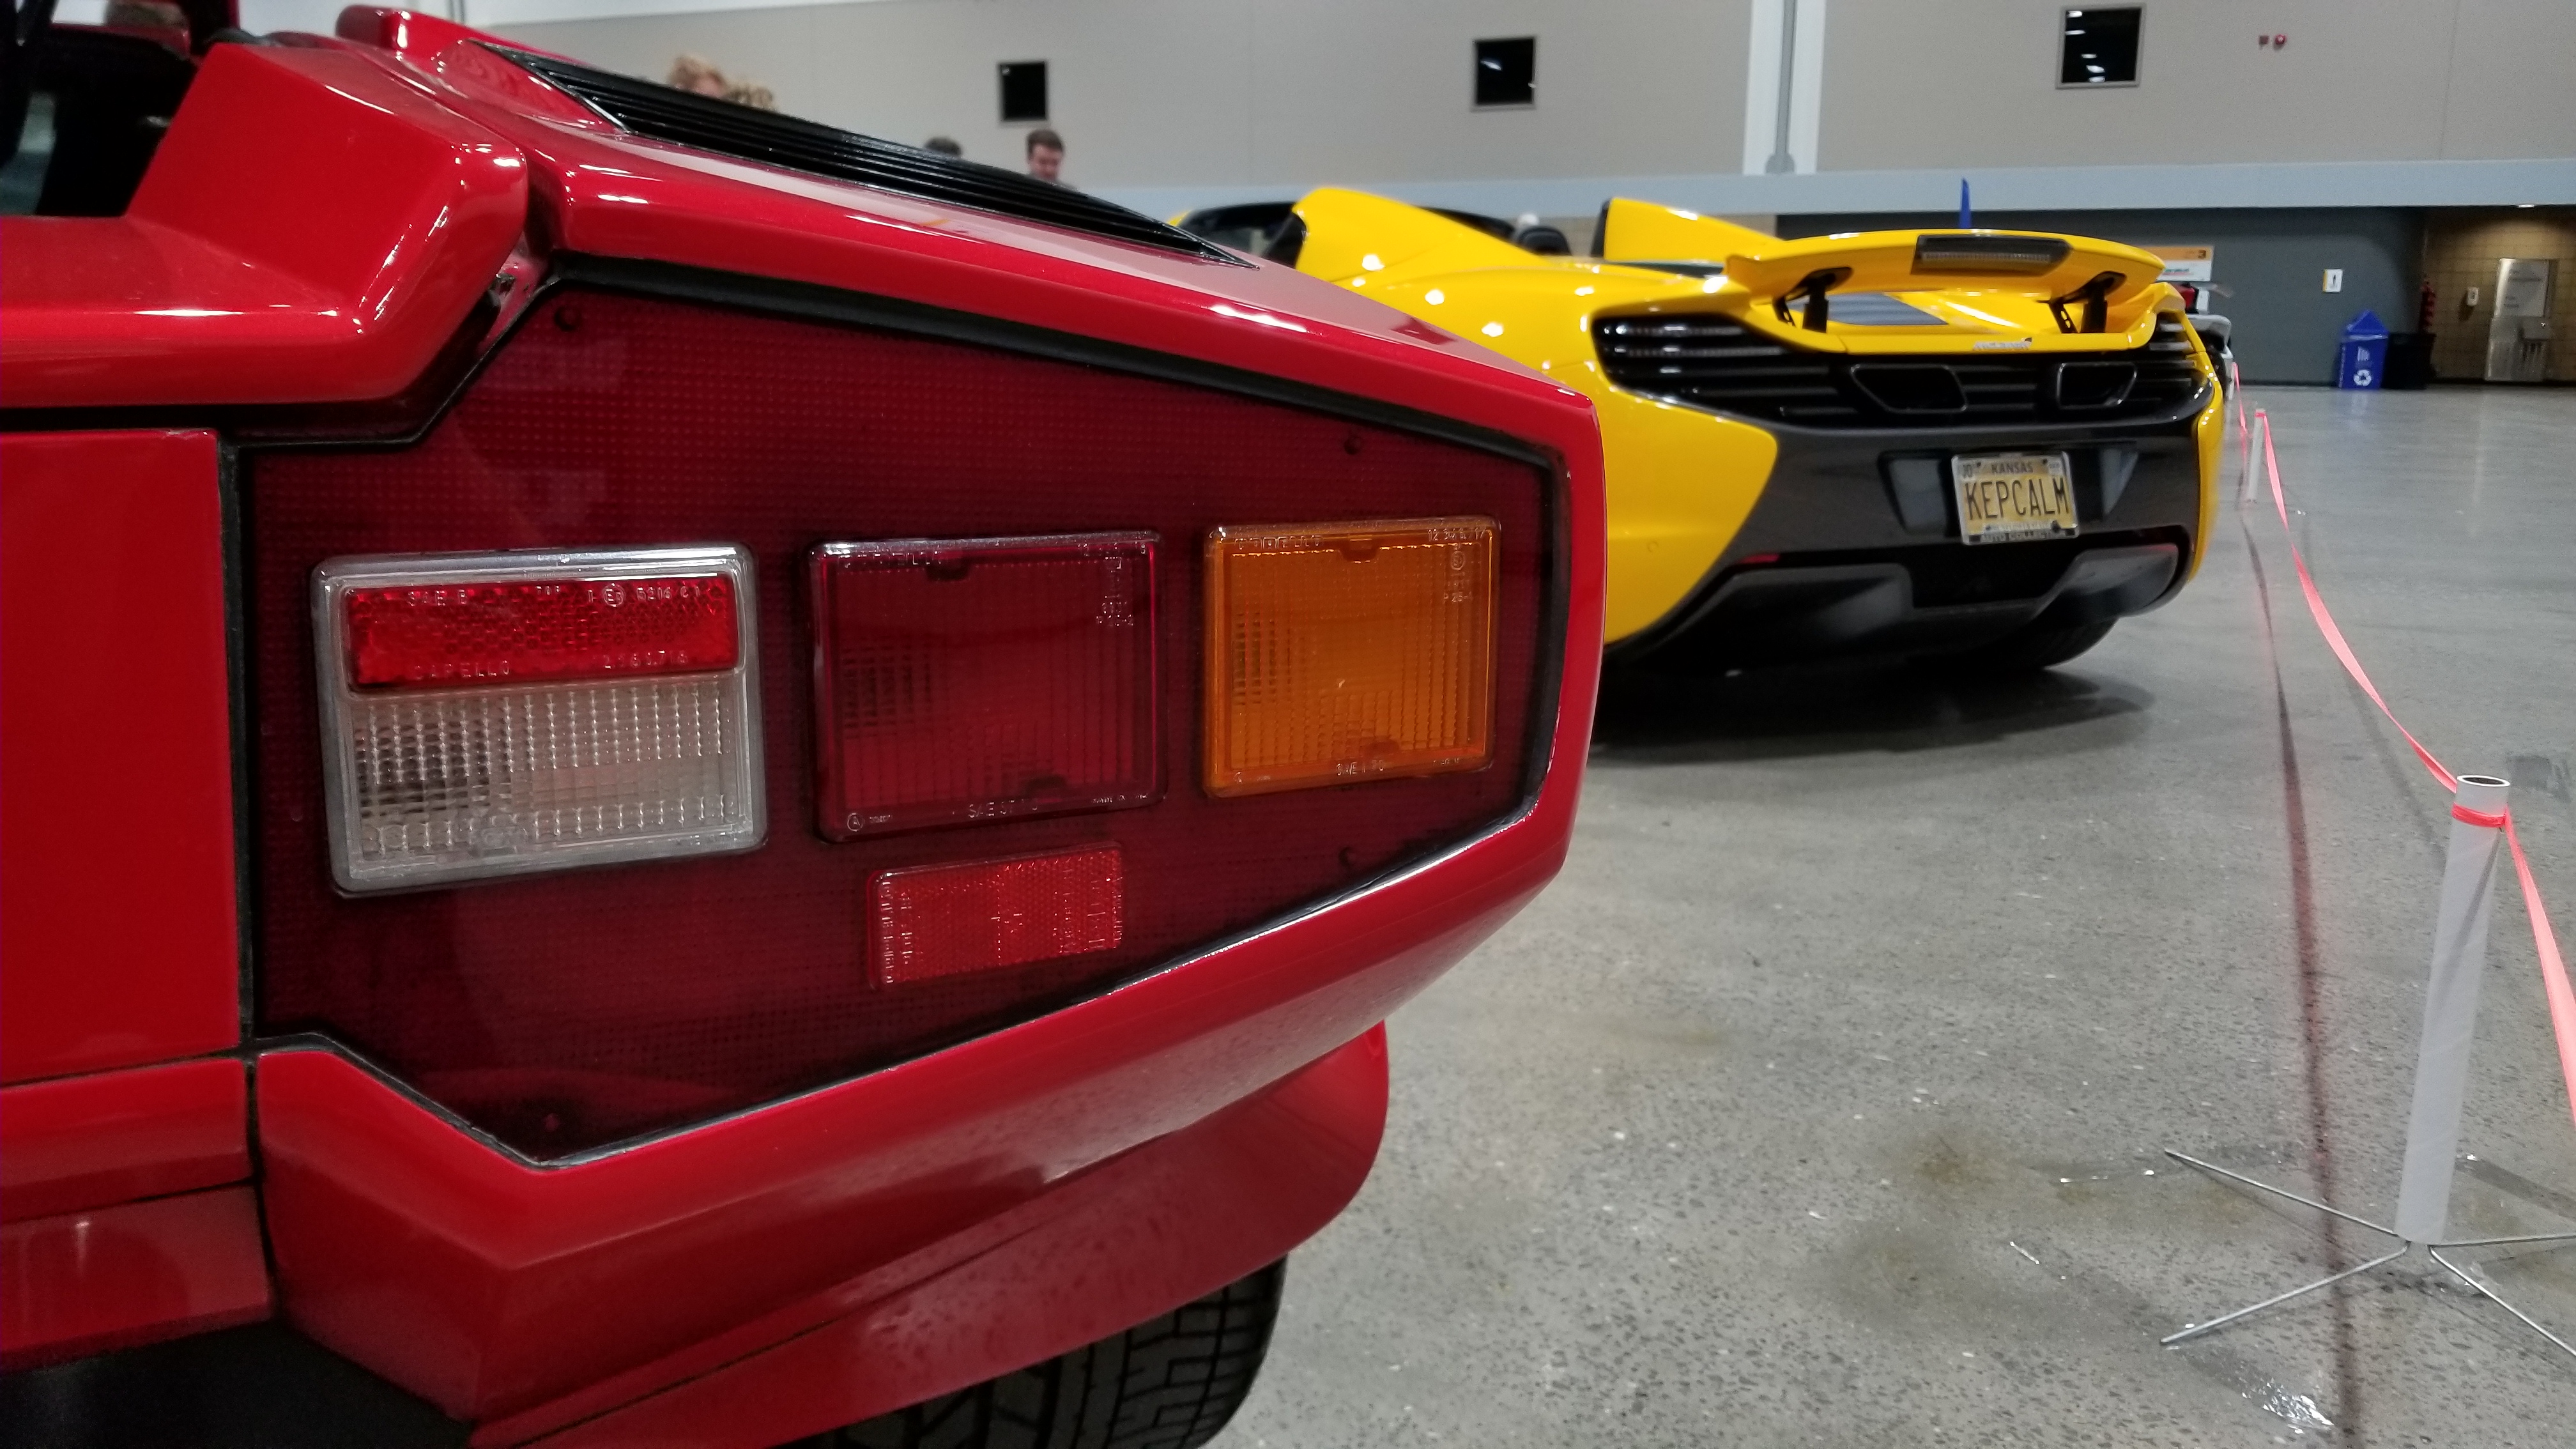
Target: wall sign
2185, 263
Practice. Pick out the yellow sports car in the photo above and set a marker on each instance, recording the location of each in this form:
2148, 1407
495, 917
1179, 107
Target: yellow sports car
1982, 444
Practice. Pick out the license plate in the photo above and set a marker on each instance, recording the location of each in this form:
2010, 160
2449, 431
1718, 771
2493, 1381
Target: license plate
2004, 496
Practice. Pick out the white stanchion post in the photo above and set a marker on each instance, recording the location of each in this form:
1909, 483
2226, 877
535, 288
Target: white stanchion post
2450, 1012
2244, 437
2441, 1078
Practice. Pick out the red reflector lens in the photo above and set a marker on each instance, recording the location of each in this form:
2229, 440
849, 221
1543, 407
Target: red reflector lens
980, 679
443, 635
941, 920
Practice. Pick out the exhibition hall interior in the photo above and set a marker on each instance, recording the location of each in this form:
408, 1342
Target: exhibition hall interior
1288, 724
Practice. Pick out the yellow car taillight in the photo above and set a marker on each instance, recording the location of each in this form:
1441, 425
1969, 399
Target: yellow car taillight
1348, 651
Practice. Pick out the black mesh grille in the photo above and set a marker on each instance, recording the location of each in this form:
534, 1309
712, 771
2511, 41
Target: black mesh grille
1711, 361
707, 124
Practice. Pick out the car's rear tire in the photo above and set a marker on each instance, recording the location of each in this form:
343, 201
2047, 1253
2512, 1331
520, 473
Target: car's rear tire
2036, 649
1168, 1383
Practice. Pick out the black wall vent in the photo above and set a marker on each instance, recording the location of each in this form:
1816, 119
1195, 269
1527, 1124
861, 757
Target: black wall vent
1024, 90
727, 129
1507, 72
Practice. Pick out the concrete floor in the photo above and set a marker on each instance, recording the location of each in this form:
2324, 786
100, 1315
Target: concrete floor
1822, 1100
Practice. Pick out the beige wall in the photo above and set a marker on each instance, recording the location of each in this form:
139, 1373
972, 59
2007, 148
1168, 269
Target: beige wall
1957, 83
1232, 92
2461, 250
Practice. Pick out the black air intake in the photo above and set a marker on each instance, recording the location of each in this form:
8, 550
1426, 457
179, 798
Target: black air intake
1711, 361
707, 124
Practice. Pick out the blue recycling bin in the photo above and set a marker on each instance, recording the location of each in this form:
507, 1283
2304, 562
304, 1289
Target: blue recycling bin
2363, 359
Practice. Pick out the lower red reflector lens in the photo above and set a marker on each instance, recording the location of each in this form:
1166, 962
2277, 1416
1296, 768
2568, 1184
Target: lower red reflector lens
441, 635
982, 679
944, 920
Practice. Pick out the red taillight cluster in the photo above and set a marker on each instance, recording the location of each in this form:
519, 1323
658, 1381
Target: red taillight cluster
1046, 712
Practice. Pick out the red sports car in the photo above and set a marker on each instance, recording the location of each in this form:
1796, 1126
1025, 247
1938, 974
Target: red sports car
675, 777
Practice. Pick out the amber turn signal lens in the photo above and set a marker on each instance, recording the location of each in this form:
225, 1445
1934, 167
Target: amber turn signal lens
1340, 652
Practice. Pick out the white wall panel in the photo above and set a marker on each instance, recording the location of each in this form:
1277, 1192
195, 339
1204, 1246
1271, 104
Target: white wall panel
1214, 97
1932, 83
1219, 92
2512, 76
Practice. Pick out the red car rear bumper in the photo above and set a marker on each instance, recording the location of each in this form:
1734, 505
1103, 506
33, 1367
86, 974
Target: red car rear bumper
494, 1288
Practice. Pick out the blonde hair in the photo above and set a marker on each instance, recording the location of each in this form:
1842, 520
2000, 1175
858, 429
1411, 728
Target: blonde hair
751, 93
688, 70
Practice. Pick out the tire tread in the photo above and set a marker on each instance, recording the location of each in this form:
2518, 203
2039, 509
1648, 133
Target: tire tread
1168, 1383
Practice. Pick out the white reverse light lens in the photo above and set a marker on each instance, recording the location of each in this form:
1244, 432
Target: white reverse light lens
492, 714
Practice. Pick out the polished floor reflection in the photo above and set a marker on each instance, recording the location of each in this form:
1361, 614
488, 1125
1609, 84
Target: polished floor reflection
1823, 1100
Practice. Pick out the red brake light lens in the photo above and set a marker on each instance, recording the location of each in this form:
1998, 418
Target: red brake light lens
945, 920
445, 634
982, 679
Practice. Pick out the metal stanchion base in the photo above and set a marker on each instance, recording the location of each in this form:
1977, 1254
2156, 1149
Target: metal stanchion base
2432, 1250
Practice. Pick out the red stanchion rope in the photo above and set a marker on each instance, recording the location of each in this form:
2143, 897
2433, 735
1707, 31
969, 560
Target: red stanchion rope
2544, 938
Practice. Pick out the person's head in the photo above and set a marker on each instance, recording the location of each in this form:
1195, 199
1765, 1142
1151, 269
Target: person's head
751, 93
944, 145
697, 73
145, 15
1046, 155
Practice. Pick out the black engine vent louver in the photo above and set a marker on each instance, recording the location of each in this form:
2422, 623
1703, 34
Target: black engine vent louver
707, 124
1711, 361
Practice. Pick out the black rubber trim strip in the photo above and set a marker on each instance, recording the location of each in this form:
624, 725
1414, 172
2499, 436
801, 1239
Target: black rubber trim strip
726, 128
233, 532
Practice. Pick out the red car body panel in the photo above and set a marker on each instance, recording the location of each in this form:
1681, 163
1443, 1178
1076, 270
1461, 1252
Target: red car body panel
333, 270
1158, 1225
108, 1238
778, 1271
112, 1137
111, 1277
117, 883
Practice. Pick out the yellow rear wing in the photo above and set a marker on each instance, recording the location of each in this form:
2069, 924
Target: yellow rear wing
2067, 271
2081, 278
